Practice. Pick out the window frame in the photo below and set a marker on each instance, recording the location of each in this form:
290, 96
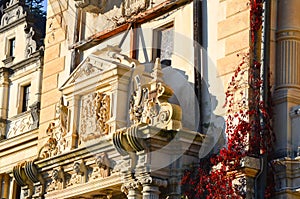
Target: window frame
156, 51
25, 98
12, 47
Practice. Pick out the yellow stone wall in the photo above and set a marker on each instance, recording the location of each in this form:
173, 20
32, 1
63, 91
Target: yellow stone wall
54, 62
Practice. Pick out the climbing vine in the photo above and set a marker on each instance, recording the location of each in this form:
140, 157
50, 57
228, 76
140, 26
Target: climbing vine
248, 127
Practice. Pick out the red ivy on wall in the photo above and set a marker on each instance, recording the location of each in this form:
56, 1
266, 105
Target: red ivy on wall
248, 127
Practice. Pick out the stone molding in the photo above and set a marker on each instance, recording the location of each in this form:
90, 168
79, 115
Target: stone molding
288, 34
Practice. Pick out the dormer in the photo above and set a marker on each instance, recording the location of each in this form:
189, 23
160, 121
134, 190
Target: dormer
21, 32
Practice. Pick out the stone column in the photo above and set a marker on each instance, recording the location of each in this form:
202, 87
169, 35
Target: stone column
6, 186
287, 89
1, 179
151, 187
38, 81
132, 189
150, 191
4, 84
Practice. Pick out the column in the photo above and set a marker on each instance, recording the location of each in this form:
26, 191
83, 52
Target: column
4, 83
38, 81
5, 193
132, 189
1, 179
151, 186
287, 88
150, 191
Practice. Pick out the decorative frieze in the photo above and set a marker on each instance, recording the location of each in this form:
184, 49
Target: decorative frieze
19, 125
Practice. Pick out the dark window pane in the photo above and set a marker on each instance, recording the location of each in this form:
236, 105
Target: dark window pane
12, 43
25, 99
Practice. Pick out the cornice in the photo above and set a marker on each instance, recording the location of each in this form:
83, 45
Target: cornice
13, 24
36, 56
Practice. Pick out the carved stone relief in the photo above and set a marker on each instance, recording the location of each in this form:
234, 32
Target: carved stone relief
2, 128
135, 6
57, 180
94, 114
102, 168
20, 125
78, 175
149, 105
94, 6
30, 43
13, 15
57, 131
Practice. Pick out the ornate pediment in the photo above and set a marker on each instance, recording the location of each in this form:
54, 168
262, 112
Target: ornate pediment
98, 62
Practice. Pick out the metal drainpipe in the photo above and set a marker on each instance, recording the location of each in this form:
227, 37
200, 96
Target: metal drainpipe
197, 21
261, 178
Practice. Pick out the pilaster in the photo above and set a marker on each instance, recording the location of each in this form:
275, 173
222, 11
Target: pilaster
287, 83
4, 83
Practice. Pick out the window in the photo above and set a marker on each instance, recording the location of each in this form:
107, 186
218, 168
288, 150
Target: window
25, 98
12, 44
164, 44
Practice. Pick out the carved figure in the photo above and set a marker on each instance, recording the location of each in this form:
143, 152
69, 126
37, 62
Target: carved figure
103, 167
80, 174
57, 180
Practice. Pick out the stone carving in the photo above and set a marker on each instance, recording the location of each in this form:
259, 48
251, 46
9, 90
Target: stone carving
86, 70
30, 43
153, 181
2, 128
57, 130
149, 105
79, 174
12, 15
102, 103
103, 168
27, 176
130, 185
95, 112
135, 6
57, 180
20, 125
94, 6
35, 113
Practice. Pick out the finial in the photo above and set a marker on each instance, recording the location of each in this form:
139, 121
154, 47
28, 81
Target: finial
157, 73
